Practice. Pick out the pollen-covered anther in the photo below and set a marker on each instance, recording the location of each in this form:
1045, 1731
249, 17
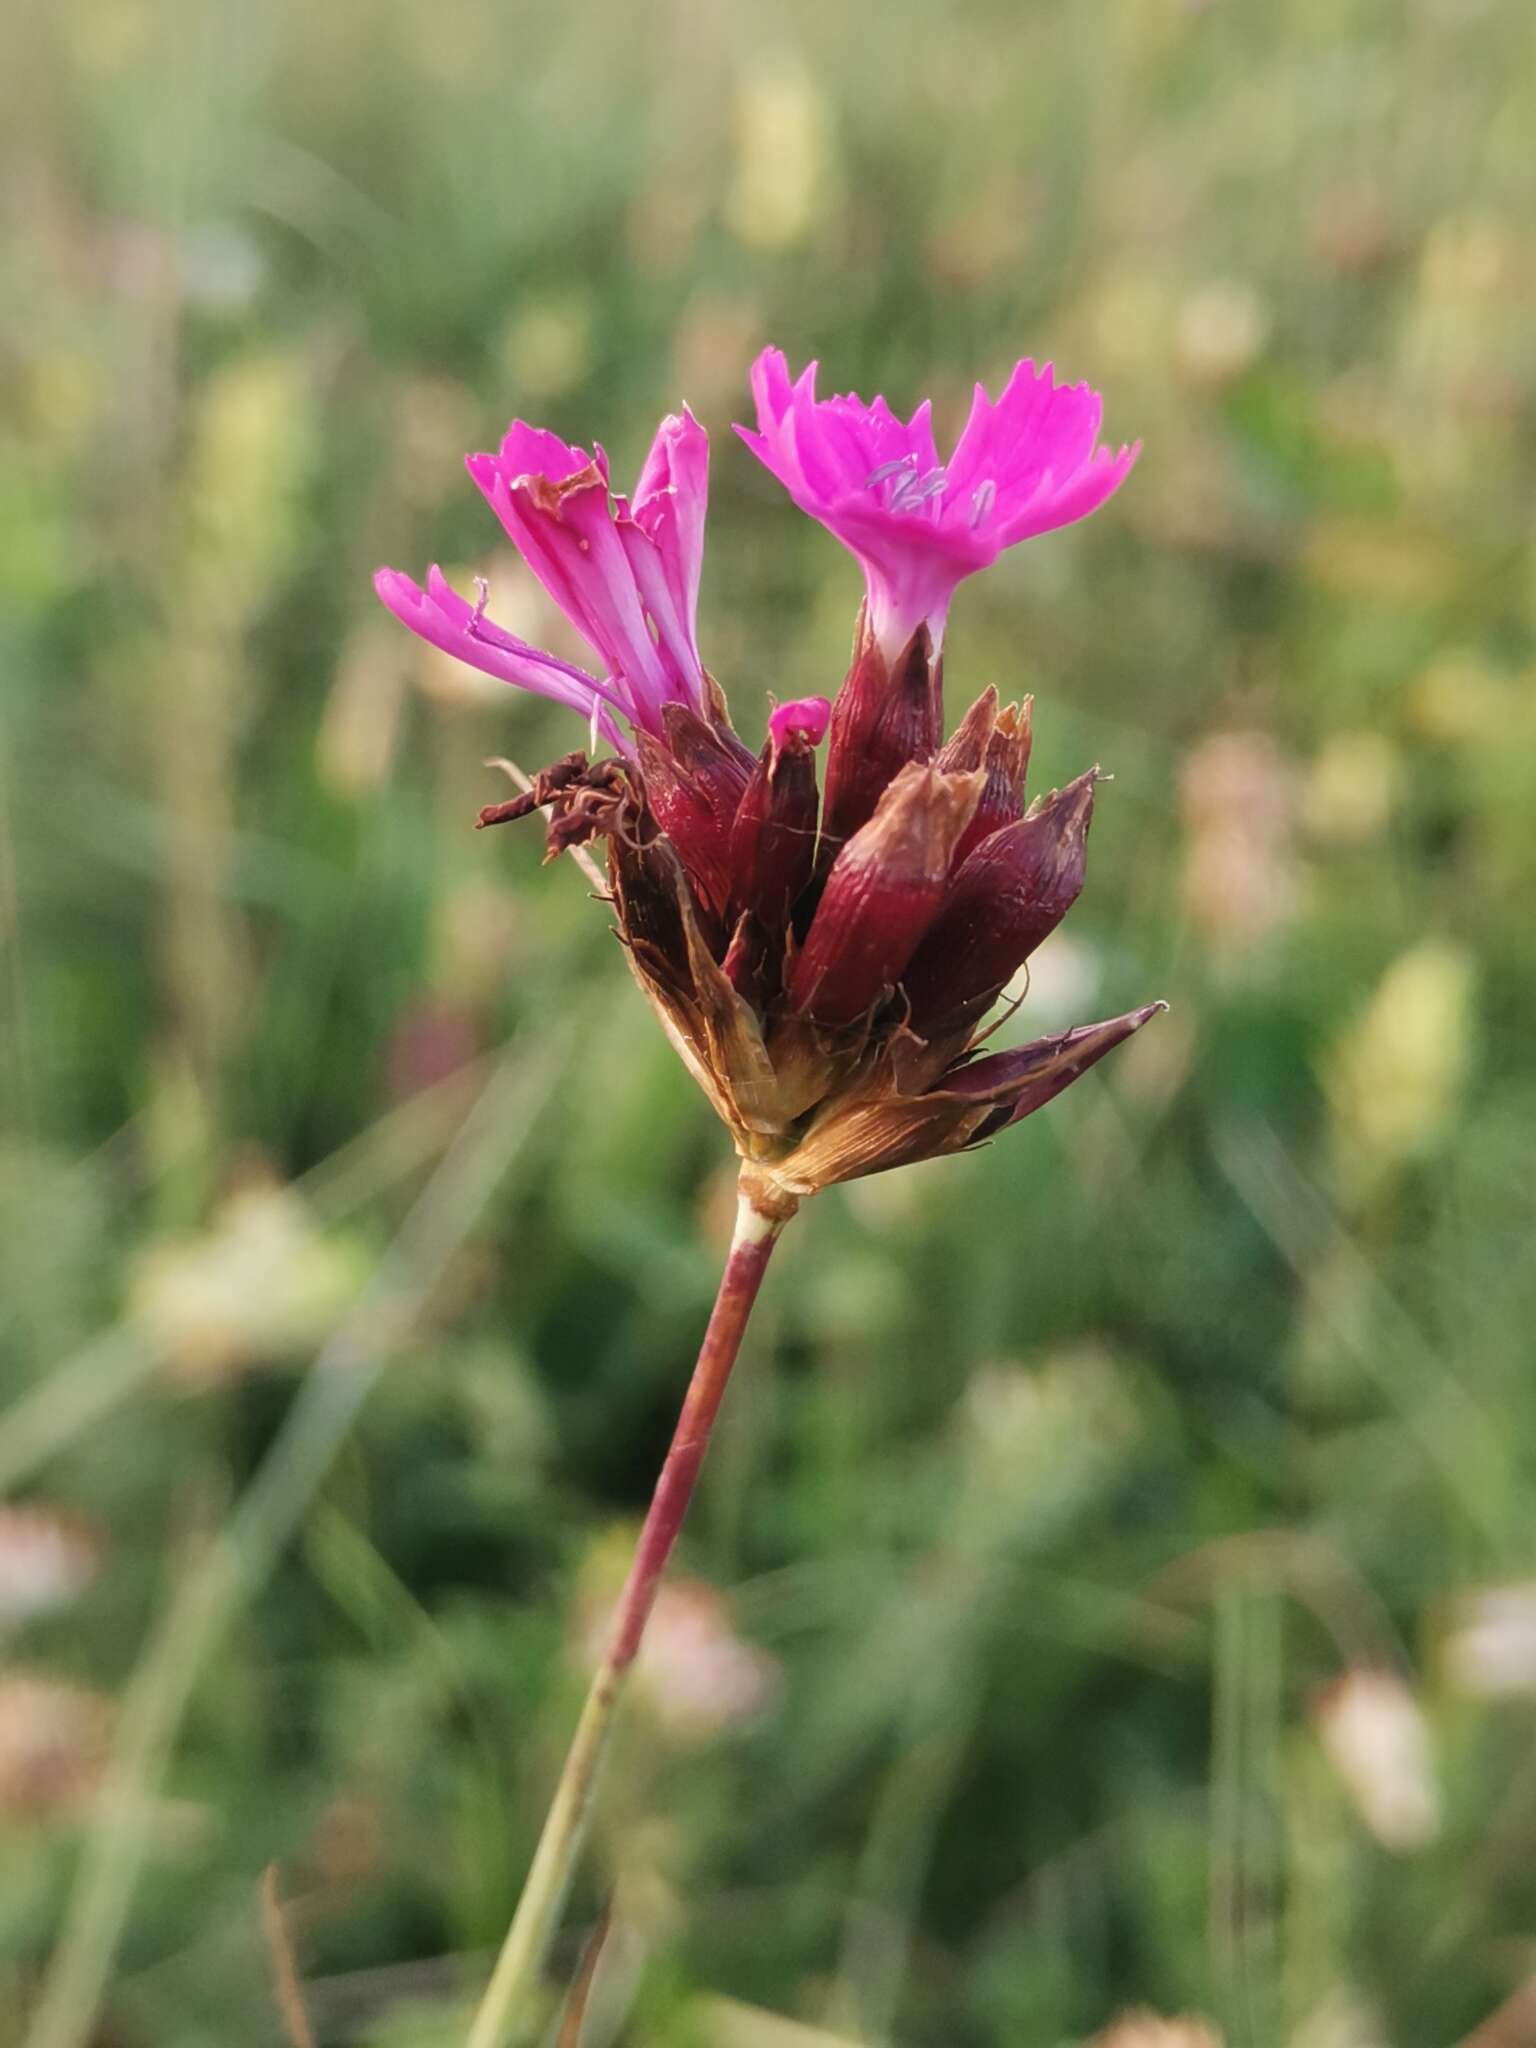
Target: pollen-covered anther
882, 894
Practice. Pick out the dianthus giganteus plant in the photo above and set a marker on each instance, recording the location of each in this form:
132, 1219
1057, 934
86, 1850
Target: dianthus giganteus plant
822, 962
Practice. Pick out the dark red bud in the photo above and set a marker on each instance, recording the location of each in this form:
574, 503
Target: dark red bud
884, 890
773, 841
1010, 893
694, 786
884, 717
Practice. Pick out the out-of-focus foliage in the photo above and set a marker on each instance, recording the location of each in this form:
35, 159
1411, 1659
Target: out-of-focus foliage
1111, 1588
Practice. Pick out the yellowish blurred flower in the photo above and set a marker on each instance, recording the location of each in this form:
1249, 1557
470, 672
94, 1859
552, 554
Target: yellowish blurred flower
1395, 1079
1352, 788
1238, 799
547, 346
1470, 258
252, 439
1379, 559
1460, 697
713, 348
1222, 331
785, 170
358, 731
1374, 1733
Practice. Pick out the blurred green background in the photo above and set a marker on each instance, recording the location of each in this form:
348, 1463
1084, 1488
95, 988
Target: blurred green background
1114, 1584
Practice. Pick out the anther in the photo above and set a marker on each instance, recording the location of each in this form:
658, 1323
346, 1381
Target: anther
917, 490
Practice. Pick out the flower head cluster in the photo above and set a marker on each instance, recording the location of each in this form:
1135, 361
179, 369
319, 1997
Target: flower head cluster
821, 961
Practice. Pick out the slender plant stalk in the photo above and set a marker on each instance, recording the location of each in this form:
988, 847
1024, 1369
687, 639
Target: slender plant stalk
511, 1996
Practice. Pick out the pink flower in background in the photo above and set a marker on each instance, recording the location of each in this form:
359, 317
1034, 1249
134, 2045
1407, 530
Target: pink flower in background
625, 571
1026, 462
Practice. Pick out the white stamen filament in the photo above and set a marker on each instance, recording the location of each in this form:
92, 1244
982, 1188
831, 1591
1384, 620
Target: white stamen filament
887, 469
908, 496
982, 500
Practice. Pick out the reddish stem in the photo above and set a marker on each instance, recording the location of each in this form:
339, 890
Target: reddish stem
743, 1275
511, 1999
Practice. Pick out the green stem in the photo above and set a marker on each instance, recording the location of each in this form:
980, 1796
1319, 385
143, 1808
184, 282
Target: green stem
511, 1997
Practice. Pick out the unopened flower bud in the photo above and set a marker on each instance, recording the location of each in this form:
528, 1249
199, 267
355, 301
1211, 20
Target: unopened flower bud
1008, 895
885, 716
694, 785
773, 841
882, 894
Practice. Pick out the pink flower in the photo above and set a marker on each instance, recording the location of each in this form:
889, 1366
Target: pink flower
1026, 462
624, 571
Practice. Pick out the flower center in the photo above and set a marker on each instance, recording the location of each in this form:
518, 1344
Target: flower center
907, 487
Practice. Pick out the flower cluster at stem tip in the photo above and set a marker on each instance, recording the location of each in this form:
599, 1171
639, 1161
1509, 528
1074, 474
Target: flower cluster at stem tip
821, 952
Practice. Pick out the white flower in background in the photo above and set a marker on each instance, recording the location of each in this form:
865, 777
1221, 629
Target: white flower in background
261, 1283
1375, 1735
46, 1559
1141, 2028
1491, 1654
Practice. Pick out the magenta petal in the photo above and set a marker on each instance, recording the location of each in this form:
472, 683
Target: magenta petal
535, 452
806, 716
568, 537
440, 616
670, 500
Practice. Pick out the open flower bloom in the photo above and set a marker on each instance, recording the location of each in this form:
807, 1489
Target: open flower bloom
1026, 462
625, 571
823, 966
